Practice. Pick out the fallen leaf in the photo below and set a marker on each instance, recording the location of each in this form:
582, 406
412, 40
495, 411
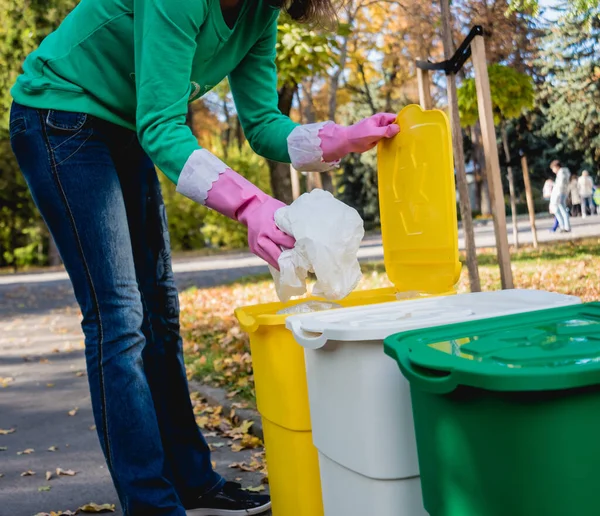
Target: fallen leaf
248, 442
44, 488
44, 361
49, 385
93, 427
53, 448
28, 451
256, 489
79, 373
74, 411
66, 472
5, 381
28, 473
48, 475
94, 507
3, 448
218, 445
6, 432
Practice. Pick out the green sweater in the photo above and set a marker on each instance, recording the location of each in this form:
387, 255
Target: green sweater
138, 63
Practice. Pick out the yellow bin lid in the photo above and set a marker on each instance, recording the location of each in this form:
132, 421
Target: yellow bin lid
417, 200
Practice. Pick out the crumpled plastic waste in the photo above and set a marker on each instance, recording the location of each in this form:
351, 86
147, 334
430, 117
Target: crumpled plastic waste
308, 307
328, 235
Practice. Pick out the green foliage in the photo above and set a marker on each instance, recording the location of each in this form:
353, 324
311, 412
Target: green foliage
358, 186
185, 218
23, 24
570, 94
218, 230
512, 93
573, 8
303, 53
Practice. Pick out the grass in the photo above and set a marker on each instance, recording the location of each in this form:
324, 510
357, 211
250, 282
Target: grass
217, 351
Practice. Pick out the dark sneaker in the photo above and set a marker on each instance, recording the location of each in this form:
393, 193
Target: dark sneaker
230, 500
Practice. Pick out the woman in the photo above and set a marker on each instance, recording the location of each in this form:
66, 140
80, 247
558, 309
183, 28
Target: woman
547, 195
586, 191
100, 103
574, 196
559, 195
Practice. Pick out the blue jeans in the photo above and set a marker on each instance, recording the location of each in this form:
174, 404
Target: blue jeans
562, 215
587, 202
99, 195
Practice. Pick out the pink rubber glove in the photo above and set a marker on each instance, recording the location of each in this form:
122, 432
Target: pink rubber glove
237, 198
337, 141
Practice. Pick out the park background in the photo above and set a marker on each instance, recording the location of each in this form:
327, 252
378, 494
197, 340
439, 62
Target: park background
544, 71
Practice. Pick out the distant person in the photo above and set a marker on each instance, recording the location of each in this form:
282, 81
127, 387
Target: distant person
547, 195
560, 192
574, 196
586, 192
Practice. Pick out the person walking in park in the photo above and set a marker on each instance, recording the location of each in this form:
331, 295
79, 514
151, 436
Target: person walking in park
560, 191
547, 195
100, 104
574, 197
586, 192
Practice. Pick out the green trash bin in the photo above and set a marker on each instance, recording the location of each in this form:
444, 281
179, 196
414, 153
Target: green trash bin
507, 413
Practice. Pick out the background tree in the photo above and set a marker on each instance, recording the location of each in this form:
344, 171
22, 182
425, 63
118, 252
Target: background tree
570, 95
512, 93
301, 53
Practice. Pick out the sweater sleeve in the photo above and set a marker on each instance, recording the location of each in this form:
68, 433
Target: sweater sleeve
165, 34
254, 87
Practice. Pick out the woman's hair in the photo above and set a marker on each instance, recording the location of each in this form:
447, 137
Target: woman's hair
317, 12
556, 163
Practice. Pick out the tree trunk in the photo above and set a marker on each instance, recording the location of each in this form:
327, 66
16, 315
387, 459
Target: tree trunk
281, 173
335, 78
459, 159
511, 188
53, 256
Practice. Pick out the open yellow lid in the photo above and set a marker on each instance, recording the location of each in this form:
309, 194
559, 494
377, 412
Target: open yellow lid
417, 200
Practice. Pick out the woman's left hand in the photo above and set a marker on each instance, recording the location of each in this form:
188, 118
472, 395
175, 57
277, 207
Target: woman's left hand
337, 141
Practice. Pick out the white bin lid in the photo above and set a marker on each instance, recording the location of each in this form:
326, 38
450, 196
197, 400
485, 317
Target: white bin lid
377, 322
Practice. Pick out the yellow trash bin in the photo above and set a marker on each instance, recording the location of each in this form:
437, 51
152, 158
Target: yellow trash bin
419, 231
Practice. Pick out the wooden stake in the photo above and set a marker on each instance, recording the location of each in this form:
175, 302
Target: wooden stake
459, 157
424, 89
511, 188
488, 132
530, 203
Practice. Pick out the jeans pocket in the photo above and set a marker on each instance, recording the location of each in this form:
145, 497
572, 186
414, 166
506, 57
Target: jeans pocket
17, 126
67, 132
66, 120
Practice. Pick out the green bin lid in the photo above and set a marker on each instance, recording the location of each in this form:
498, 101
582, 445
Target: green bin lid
534, 351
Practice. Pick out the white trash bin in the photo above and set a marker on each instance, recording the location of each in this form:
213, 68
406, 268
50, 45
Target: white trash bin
364, 435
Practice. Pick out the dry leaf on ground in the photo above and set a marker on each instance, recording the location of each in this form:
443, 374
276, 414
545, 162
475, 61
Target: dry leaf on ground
65, 472
256, 489
3, 448
53, 448
28, 473
94, 507
6, 432
48, 475
74, 411
44, 488
5, 381
28, 451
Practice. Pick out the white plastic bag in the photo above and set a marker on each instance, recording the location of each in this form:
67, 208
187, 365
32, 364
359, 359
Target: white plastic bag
328, 234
